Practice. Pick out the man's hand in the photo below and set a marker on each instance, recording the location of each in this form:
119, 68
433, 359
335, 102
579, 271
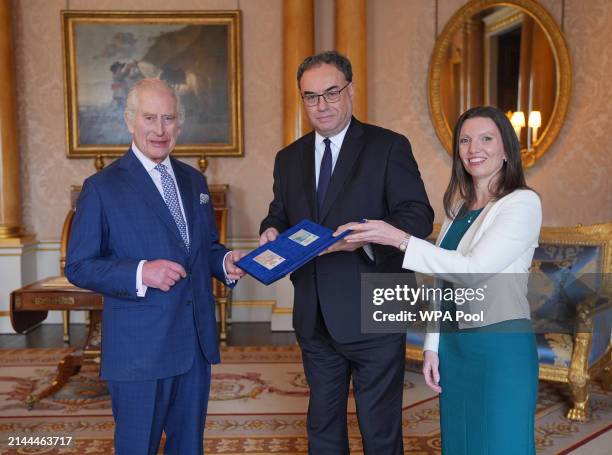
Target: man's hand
269, 235
162, 274
233, 272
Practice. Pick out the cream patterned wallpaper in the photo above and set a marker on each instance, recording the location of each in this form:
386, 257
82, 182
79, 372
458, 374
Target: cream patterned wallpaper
573, 178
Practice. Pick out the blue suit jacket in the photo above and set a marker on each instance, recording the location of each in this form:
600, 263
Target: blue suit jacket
121, 218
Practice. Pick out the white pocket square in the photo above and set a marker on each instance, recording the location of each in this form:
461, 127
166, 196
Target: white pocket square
204, 198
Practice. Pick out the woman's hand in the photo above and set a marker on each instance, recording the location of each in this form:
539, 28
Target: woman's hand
430, 370
372, 231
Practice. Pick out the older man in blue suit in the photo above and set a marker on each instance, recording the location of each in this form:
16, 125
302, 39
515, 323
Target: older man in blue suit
144, 236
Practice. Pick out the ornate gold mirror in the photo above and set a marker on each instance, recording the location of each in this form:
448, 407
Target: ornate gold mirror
510, 54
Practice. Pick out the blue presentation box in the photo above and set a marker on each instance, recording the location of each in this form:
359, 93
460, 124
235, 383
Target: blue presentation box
291, 250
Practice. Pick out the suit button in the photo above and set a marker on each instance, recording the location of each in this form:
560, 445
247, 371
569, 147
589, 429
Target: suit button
188, 303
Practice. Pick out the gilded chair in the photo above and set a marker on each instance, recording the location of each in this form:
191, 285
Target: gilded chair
570, 297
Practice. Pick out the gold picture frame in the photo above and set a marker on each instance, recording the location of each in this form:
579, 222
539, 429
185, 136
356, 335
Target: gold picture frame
196, 52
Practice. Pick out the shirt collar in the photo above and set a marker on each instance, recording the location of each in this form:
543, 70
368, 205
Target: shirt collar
149, 164
336, 140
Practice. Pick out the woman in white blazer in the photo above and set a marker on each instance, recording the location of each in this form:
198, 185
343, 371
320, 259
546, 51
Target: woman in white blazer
486, 372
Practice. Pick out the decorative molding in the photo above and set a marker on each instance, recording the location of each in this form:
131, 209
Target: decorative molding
496, 23
282, 310
552, 373
254, 303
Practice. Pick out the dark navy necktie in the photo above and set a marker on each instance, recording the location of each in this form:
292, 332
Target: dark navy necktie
325, 172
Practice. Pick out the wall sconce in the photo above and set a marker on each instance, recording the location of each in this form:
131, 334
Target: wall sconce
535, 121
518, 121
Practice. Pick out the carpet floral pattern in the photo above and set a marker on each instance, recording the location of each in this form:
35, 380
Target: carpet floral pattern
258, 404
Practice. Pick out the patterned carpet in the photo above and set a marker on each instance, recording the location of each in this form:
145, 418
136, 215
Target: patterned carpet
258, 402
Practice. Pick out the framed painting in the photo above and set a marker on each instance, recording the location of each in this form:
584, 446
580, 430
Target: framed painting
197, 53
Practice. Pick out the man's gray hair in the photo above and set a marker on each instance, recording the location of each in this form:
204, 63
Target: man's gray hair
133, 98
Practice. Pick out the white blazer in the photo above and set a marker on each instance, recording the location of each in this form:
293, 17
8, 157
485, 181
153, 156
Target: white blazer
501, 240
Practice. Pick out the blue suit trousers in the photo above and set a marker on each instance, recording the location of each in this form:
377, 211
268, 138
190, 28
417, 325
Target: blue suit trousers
177, 405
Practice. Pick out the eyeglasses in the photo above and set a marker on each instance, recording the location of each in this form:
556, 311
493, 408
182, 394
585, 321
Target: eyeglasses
330, 96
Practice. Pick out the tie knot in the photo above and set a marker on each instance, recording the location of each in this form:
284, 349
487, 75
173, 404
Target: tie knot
326, 141
161, 168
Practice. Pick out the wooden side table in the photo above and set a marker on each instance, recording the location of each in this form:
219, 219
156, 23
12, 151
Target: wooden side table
29, 307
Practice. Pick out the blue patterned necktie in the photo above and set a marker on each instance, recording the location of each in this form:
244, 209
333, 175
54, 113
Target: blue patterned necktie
325, 172
171, 199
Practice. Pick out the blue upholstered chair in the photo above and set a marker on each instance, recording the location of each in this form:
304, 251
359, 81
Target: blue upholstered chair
571, 302
570, 294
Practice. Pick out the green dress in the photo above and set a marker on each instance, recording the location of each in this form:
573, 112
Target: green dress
489, 380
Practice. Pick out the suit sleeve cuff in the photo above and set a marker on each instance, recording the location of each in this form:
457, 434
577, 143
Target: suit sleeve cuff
141, 289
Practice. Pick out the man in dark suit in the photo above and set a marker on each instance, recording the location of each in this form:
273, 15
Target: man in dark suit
144, 236
344, 171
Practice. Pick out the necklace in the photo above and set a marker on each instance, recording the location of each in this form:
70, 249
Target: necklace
471, 216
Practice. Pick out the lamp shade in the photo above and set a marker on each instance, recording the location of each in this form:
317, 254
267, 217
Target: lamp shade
535, 119
518, 119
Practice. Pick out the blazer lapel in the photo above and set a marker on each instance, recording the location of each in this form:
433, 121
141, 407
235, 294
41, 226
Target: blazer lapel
140, 181
186, 190
445, 225
349, 153
308, 172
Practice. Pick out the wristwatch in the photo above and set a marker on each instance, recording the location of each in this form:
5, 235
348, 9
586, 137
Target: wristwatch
402, 246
